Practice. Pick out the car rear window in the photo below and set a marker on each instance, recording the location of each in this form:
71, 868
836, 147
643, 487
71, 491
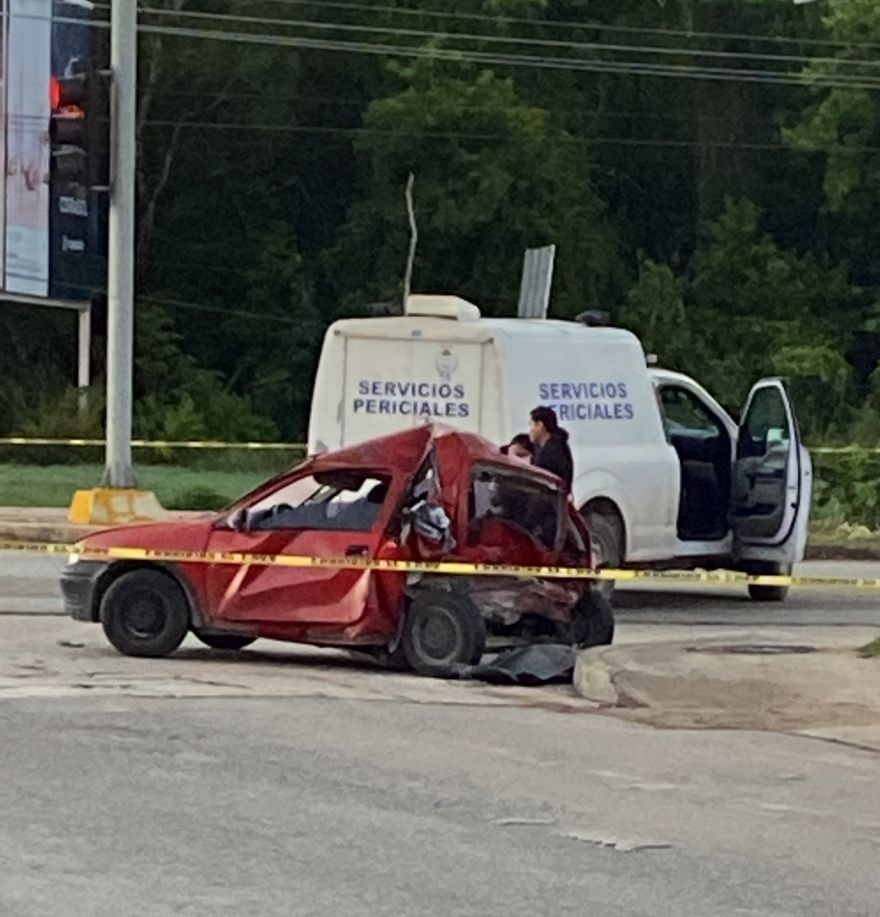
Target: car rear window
523, 501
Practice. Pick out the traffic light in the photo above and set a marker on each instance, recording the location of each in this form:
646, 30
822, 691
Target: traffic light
80, 129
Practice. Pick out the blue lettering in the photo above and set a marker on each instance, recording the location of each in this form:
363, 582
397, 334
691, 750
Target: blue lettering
618, 411
621, 390
566, 390
458, 391
543, 391
358, 404
405, 408
363, 388
595, 390
464, 410
554, 391
386, 407
583, 412
630, 411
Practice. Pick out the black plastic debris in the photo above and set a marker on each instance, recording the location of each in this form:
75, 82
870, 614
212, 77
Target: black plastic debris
540, 664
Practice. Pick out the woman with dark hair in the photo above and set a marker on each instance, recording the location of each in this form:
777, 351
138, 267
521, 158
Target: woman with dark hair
552, 452
520, 447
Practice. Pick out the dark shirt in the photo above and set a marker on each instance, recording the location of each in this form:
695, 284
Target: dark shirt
555, 456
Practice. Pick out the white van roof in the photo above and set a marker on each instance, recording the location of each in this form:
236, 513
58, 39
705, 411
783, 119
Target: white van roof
481, 331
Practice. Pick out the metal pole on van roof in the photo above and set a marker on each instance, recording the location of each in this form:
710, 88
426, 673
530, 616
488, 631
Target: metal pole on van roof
537, 281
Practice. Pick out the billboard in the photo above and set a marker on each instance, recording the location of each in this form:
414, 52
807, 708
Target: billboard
52, 242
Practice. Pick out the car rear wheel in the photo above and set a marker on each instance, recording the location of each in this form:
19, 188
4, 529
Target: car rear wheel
224, 641
606, 541
593, 620
442, 630
145, 613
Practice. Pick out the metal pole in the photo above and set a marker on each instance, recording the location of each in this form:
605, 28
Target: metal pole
85, 346
120, 281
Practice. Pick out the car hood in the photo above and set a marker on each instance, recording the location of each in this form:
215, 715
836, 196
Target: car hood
185, 534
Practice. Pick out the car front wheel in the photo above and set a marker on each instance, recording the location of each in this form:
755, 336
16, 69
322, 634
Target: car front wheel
593, 620
145, 613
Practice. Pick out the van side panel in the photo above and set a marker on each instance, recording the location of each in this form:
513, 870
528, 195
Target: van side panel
389, 385
603, 395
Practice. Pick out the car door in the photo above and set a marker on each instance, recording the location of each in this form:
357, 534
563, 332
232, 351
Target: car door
300, 598
772, 479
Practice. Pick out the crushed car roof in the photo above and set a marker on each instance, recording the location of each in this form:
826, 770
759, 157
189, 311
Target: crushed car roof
408, 449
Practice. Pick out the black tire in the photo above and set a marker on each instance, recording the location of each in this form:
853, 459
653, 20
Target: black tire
606, 539
770, 593
593, 621
442, 629
225, 641
145, 613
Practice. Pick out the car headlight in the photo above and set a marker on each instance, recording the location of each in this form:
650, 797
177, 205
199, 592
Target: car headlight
73, 559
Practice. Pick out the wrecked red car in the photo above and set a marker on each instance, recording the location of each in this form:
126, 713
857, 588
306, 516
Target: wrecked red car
426, 494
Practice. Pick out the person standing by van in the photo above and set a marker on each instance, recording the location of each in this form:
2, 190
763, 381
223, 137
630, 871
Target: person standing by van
520, 447
552, 452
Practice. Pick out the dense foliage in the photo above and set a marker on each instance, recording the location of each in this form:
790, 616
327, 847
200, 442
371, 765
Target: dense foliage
709, 171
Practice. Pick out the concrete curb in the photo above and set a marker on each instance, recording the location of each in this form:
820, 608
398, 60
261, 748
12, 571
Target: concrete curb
765, 683
843, 551
60, 530
47, 534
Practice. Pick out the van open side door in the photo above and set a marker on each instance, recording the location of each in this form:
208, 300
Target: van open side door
772, 481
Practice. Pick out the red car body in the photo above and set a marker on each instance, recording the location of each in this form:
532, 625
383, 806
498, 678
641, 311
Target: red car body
375, 485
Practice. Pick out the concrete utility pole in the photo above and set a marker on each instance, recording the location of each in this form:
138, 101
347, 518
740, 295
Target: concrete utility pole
120, 282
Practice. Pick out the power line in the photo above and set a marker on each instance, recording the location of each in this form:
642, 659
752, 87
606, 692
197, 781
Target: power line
568, 24
319, 129
547, 63
236, 313
635, 68
502, 39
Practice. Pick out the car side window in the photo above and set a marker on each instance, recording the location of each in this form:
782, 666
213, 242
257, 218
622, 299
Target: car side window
519, 500
685, 415
331, 502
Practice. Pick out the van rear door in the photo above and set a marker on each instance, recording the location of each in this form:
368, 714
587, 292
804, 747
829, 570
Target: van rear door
393, 384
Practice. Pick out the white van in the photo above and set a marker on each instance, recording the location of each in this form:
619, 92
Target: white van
663, 475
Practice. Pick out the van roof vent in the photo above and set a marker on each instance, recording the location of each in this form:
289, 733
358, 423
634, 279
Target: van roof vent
453, 307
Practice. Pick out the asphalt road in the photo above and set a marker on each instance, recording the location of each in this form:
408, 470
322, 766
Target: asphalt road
315, 806
298, 782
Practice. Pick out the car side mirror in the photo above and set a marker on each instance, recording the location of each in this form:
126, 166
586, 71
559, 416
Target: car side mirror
238, 520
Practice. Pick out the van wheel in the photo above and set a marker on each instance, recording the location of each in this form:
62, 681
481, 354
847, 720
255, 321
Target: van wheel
145, 613
592, 620
606, 541
442, 629
770, 593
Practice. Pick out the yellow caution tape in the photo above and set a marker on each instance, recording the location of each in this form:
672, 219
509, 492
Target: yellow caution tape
446, 568
153, 444
296, 447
